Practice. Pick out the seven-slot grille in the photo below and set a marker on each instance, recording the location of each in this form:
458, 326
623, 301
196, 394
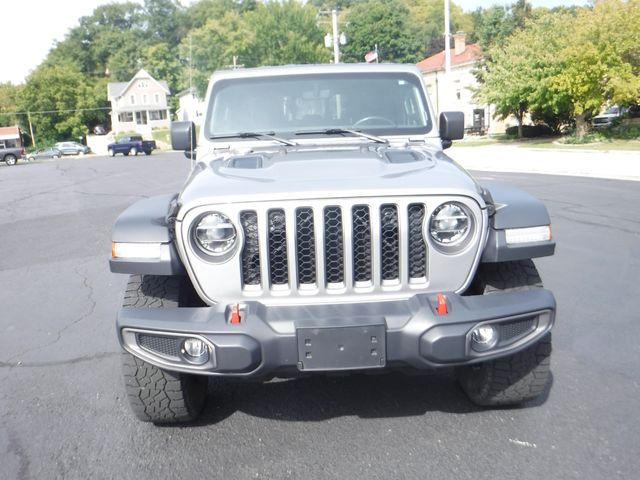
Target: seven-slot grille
334, 246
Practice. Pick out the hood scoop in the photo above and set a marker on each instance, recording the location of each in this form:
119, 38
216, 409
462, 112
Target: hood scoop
403, 156
247, 162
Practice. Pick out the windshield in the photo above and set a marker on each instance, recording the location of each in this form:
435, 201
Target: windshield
612, 110
380, 103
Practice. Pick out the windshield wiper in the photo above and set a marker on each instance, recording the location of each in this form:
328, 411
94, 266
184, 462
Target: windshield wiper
342, 131
254, 135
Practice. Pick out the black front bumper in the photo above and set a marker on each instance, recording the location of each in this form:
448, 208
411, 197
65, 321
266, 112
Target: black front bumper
300, 338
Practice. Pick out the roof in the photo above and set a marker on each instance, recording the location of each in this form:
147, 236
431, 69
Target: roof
117, 89
310, 69
7, 133
436, 62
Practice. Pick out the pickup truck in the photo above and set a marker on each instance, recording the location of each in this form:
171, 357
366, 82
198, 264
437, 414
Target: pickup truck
131, 145
10, 156
322, 230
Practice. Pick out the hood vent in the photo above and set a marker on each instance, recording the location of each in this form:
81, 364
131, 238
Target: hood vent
247, 162
403, 156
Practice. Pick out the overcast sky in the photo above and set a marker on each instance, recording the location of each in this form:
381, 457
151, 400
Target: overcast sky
37, 24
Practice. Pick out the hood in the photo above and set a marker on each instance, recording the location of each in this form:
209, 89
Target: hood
325, 172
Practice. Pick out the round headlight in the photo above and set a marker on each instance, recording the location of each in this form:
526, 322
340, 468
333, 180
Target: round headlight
215, 234
450, 224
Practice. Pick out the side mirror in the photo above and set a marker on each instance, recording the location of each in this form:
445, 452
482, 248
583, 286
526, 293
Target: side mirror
183, 136
451, 127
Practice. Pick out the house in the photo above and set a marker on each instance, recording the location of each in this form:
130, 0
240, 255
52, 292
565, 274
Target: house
10, 137
191, 107
456, 92
139, 105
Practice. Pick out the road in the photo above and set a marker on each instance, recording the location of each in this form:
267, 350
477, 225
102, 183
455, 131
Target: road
63, 413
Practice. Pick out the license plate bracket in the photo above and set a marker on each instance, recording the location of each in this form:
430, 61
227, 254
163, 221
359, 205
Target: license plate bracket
341, 348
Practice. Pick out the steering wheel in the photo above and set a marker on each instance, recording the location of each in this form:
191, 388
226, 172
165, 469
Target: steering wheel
374, 118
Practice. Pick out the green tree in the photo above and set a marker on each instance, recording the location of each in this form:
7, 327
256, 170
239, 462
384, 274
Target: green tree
9, 95
65, 100
385, 23
284, 32
600, 61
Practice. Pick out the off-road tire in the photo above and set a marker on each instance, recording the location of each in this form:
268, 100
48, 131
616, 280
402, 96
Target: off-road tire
158, 395
522, 376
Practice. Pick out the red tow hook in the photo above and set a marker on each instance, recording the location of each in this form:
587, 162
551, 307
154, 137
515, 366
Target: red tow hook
235, 317
441, 308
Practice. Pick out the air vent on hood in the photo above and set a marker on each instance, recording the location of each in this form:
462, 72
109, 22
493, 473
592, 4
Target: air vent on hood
249, 161
403, 156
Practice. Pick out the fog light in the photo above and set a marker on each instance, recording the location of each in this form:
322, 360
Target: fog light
484, 338
195, 351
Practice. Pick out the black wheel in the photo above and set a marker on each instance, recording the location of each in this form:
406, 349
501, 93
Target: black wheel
522, 376
158, 395
11, 160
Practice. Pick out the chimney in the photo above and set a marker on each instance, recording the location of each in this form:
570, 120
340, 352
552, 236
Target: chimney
459, 39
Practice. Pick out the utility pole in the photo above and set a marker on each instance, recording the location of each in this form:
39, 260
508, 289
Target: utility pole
336, 36
33, 138
447, 36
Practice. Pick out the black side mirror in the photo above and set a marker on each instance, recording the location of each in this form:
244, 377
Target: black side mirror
183, 136
451, 127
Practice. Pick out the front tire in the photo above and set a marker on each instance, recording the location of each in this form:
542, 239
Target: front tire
519, 377
111, 152
11, 160
157, 395
133, 151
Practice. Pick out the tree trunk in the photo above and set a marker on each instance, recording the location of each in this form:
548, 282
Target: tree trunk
519, 117
582, 127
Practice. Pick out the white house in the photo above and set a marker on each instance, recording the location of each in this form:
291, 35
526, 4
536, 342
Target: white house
139, 105
455, 92
191, 107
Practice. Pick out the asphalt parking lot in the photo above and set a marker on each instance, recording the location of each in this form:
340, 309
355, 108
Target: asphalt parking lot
63, 413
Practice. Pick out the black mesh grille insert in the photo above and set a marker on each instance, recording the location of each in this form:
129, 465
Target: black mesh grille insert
167, 346
278, 266
361, 243
389, 242
251, 250
333, 245
305, 245
417, 247
516, 328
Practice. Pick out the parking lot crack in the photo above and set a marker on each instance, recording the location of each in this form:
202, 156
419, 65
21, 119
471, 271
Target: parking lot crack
92, 306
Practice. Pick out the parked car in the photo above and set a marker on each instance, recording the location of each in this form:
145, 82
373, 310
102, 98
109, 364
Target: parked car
607, 118
131, 145
353, 245
44, 153
72, 148
99, 130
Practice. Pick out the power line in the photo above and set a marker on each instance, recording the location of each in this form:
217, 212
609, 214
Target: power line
57, 111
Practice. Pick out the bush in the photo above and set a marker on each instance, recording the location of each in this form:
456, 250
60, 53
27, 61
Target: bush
531, 131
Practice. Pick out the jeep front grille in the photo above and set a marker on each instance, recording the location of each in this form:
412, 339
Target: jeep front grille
334, 247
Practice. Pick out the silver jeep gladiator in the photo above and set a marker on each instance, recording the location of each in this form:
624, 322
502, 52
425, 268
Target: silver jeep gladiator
322, 229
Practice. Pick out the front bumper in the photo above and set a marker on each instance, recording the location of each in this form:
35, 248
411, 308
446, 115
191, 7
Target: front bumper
292, 339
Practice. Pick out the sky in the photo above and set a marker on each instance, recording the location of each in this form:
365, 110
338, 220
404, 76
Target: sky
43, 22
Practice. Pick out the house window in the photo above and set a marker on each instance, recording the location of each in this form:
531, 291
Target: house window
132, 99
157, 115
125, 117
141, 118
157, 97
144, 99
